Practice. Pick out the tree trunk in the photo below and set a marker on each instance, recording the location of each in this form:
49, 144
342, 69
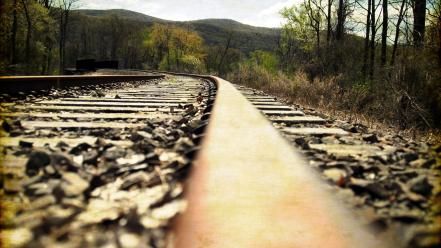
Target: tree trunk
384, 33
224, 54
328, 19
373, 34
63, 32
439, 40
28, 34
397, 32
340, 20
366, 39
14, 34
419, 19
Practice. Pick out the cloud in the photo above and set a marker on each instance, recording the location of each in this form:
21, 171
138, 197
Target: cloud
257, 13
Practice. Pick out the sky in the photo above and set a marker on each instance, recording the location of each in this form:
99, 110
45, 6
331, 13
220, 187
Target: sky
263, 13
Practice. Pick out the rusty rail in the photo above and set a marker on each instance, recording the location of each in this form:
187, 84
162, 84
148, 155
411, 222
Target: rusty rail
248, 188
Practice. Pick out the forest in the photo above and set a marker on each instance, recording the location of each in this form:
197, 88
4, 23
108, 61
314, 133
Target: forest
377, 60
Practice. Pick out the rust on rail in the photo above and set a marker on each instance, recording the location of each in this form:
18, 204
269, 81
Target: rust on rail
248, 188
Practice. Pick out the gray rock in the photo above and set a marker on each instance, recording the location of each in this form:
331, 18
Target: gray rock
372, 138
421, 185
37, 160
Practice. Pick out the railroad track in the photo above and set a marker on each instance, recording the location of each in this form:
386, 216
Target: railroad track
101, 161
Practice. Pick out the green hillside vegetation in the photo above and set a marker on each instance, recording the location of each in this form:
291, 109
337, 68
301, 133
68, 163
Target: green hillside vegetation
213, 31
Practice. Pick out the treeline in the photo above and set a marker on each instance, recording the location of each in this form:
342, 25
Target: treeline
47, 37
33, 35
380, 58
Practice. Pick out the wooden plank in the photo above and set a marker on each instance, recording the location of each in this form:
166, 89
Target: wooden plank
139, 100
349, 150
75, 124
267, 103
260, 97
53, 141
96, 109
283, 113
297, 119
143, 98
148, 115
316, 131
264, 107
108, 104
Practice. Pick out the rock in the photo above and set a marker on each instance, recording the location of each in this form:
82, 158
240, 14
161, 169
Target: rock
11, 185
134, 159
372, 138
73, 185
377, 190
25, 144
38, 189
421, 185
140, 179
410, 157
37, 160
63, 161
90, 157
335, 175
18, 237
114, 153
78, 149
42, 202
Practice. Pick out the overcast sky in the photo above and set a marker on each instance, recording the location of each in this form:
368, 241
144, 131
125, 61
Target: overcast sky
264, 13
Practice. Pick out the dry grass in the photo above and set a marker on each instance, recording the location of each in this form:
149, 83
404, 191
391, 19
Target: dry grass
379, 108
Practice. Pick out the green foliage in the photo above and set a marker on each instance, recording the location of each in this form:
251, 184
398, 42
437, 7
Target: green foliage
213, 31
175, 48
267, 60
297, 27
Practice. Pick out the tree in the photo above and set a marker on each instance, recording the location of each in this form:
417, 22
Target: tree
175, 48
64, 7
314, 10
366, 39
373, 37
14, 34
419, 22
384, 33
340, 19
401, 14
328, 21
28, 31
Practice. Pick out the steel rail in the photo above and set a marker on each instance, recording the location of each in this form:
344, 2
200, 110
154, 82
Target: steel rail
15, 84
249, 188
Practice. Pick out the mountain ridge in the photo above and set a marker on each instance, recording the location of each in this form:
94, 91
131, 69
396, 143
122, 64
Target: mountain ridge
247, 38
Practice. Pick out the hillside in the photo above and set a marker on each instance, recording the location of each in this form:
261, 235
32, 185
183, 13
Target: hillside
214, 31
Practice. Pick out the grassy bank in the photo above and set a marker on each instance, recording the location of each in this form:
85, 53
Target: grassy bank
381, 107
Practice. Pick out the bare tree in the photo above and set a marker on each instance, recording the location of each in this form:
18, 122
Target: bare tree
401, 14
28, 31
366, 38
14, 33
419, 22
340, 19
384, 33
373, 37
328, 21
314, 9
64, 10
